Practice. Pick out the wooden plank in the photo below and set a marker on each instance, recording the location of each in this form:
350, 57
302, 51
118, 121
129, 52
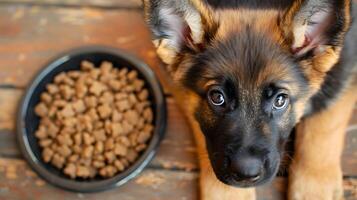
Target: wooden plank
177, 150
32, 36
97, 3
151, 184
18, 182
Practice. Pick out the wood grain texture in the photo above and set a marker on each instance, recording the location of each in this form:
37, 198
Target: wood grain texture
18, 182
32, 36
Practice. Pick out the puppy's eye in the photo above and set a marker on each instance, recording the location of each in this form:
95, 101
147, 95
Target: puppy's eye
281, 101
216, 97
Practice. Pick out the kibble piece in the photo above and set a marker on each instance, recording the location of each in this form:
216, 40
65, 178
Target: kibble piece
64, 151
45, 143
82, 171
140, 147
132, 75
94, 75
125, 162
143, 95
98, 164
67, 111
97, 88
85, 162
148, 115
143, 137
123, 105
88, 151
132, 100
88, 140
100, 135
117, 129
67, 92
108, 126
73, 158
58, 161
70, 170
47, 154
117, 116
99, 147
52, 130
148, 128
52, 111
115, 85
129, 88
131, 155
87, 65
140, 124
59, 103
78, 139
120, 149
131, 116
79, 106
127, 128
138, 84
123, 72
124, 140
110, 156
41, 110
92, 113
77, 149
41, 133
104, 111
46, 98
119, 165
120, 96
109, 144
98, 125
106, 67
106, 98
52, 88
74, 74
70, 122
81, 90
60, 78
64, 139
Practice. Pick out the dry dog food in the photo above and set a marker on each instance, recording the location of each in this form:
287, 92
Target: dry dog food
94, 121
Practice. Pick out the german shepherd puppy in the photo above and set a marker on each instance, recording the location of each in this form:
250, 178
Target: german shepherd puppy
249, 72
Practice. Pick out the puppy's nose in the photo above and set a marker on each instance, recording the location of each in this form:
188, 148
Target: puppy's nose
246, 168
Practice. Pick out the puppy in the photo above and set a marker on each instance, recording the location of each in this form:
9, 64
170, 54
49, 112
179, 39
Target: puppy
247, 74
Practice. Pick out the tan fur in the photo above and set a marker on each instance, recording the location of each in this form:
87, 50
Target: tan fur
263, 21
316, 172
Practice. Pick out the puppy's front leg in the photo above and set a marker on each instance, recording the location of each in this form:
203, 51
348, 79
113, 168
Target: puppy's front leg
210, 187
316, 172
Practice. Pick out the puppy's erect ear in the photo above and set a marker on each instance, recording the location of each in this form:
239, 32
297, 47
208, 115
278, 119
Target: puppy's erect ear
175, 24
315, 24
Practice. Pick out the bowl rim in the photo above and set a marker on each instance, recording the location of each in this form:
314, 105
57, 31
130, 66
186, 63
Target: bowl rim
120, 178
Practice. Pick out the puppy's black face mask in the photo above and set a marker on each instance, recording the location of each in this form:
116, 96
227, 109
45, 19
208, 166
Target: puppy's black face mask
248, 91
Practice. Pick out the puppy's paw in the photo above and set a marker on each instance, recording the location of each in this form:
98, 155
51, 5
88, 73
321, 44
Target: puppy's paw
315, 184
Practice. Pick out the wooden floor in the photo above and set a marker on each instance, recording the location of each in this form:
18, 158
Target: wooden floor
34, 31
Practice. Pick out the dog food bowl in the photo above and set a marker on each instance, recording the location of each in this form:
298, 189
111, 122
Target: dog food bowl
28, 122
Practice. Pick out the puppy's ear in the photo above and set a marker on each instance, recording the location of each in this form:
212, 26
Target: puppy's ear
313, 25
175, 25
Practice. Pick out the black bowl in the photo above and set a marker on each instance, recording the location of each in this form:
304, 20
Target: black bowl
27, 121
